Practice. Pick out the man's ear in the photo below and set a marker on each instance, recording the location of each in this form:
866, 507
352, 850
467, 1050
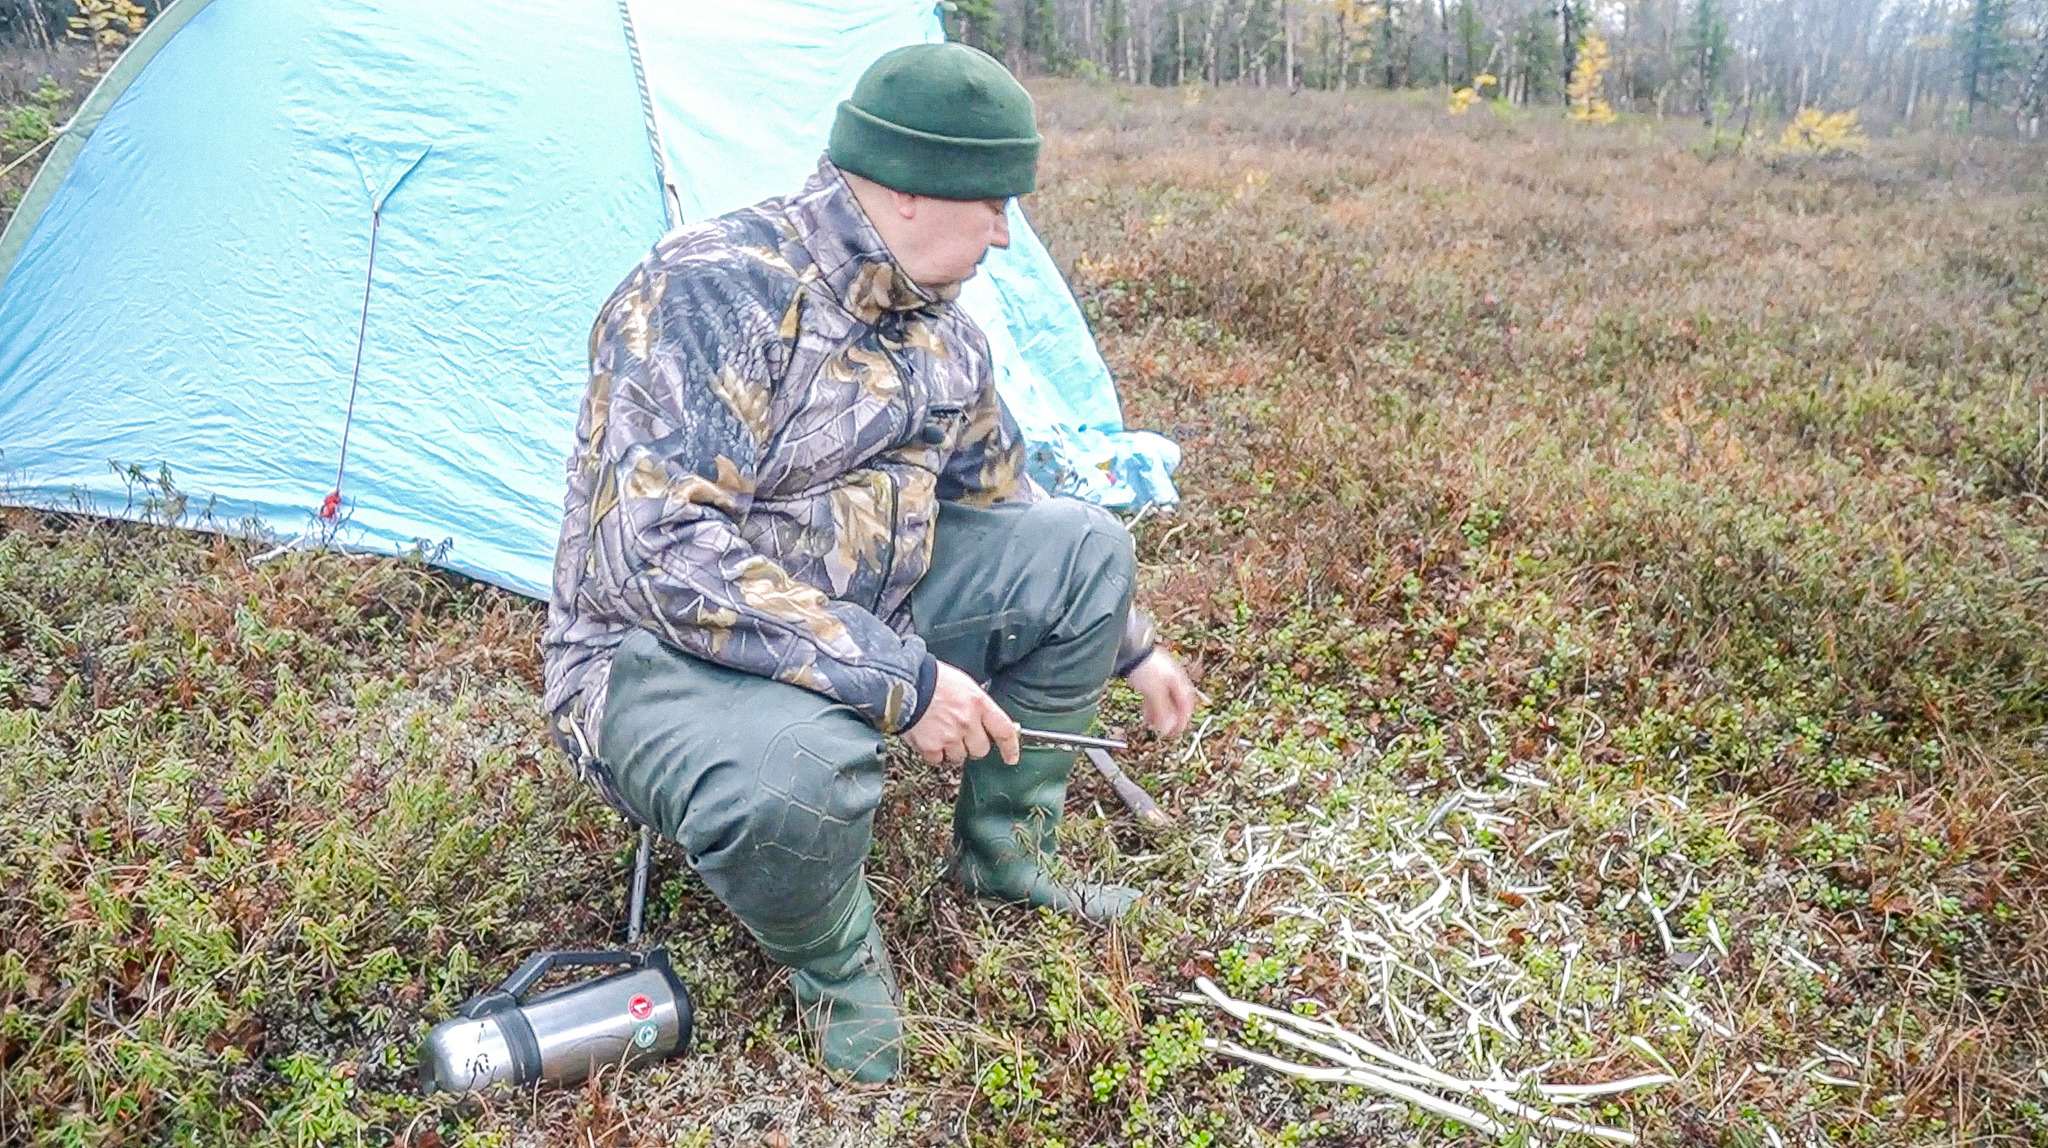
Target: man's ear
905, 204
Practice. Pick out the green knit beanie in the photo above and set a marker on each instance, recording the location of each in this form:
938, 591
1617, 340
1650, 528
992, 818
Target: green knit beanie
943, 120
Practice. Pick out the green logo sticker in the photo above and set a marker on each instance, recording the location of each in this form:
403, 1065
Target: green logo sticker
646, 1035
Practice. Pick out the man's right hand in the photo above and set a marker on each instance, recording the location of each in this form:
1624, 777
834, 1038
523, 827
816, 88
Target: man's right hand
961, 723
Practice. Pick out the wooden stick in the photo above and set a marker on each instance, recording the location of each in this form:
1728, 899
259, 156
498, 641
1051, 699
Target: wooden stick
1450, 1110
1300, 1031
1134, 796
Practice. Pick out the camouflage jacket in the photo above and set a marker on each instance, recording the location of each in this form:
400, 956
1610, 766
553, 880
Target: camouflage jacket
775, 411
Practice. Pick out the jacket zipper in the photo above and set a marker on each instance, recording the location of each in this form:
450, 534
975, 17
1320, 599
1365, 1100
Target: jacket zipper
908, 373
889, 548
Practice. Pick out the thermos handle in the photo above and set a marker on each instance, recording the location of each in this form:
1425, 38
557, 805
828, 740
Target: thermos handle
527, 975
539, 965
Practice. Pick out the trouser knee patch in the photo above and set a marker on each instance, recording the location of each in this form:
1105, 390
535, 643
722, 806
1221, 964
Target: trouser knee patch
808, 801
804, 826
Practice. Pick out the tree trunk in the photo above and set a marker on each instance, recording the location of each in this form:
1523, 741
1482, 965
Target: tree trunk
41, 23
1980, 32
1566, 19
1913, 86
1621, 61
1209, 45
1212, 42
1121, 40
1670, 27
1180, 52
1287, 32
1343, 53
1443, 27
1387, 38
1151, 43
1131, 48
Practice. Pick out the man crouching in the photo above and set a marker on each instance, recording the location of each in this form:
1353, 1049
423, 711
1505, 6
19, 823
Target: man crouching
798, 520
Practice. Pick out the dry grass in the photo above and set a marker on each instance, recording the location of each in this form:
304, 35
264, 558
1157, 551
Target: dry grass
1707, 495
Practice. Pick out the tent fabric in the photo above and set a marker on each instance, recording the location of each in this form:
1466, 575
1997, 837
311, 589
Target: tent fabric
188, 282
1054, 381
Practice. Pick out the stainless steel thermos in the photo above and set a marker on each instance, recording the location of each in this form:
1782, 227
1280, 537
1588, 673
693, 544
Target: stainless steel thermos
632, 1017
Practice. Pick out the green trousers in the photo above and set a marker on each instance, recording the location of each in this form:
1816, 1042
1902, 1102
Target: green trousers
771, 789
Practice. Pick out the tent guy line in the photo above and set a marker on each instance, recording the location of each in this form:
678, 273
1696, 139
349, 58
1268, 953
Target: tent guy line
331, 505
670, 205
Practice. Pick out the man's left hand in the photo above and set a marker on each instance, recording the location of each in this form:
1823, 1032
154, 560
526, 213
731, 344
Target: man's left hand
1170, 698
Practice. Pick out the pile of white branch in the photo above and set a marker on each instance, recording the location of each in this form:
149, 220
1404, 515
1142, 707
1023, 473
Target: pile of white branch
1496, 1107
1435, 918
1420, 906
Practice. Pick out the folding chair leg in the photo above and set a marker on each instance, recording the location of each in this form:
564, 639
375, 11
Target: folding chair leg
636, 900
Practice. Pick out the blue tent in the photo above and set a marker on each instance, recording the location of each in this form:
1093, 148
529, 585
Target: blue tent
285, 233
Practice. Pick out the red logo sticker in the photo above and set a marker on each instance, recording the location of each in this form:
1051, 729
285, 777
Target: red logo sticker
640, 1007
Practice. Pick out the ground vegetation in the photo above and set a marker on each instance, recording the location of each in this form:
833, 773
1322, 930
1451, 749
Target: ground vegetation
1616, 567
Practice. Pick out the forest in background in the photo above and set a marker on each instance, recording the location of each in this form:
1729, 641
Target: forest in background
1977, 64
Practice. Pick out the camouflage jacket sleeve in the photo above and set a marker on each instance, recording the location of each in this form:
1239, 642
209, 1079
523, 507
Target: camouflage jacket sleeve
988, 468
681, 383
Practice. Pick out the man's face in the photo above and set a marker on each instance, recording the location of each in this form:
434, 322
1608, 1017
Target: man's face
948, 237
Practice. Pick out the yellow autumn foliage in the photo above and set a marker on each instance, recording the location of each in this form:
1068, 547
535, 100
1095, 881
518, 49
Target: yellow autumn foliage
1587, 104
1818, 133
1463, 99
107, 25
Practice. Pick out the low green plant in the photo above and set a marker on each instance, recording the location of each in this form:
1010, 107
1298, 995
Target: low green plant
1715, 573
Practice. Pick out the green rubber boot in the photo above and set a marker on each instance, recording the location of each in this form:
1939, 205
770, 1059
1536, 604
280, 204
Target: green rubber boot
1005, 826
845, 987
